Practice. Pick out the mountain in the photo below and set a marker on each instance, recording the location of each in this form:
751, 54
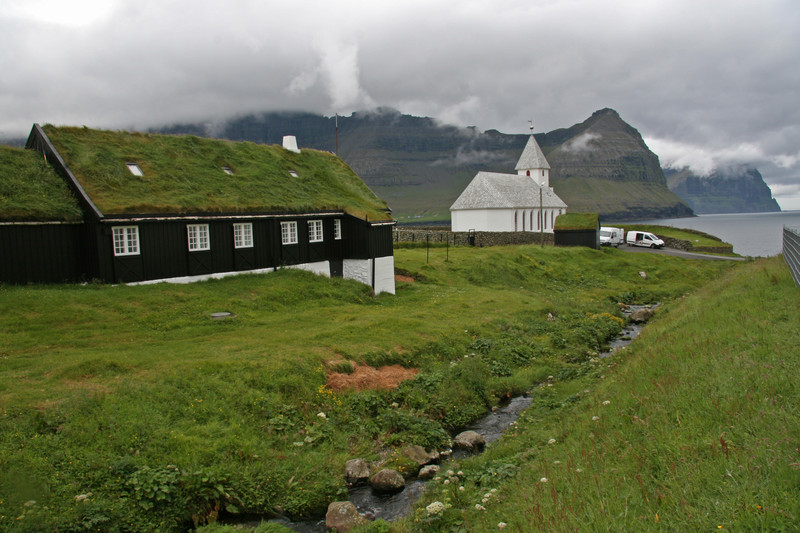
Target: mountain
420, 166
727, 189
603, 165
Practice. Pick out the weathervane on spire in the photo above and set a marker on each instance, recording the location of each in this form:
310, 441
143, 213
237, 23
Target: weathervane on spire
531, 126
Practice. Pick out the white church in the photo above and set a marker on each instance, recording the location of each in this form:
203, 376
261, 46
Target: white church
510, 202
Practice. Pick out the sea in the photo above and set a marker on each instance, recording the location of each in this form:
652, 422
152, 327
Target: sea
751, 234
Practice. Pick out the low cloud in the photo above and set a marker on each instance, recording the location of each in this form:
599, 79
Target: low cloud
582, 143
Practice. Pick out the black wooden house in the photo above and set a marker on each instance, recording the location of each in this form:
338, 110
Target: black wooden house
182, 208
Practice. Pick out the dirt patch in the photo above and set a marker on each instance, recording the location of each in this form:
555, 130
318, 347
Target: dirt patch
400, 277
366, 377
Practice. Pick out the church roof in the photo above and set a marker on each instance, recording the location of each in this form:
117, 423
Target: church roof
532, 157
493, 190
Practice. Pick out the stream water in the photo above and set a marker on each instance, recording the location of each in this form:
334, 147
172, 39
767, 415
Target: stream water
492, 426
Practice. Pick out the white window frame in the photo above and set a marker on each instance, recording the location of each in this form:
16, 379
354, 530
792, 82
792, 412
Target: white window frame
243, 235
198, 237
126, 240
289, 232
337, 229
315, 231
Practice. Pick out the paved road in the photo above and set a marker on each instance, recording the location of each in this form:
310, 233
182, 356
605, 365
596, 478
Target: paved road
678, 253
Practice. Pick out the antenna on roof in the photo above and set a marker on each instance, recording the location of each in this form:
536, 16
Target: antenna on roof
531, 126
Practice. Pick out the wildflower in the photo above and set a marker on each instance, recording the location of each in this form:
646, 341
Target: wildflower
487, 495
435, 508
551, 441
450, 473
501, 525
321, 415
480, 507
556, 462
460, 473
543, 480
493, 491
485, 500
446, 481
606, 402
595, 418
461, 489
579, 469
298, 443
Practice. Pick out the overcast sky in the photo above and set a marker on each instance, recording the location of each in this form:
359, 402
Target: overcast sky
704, 81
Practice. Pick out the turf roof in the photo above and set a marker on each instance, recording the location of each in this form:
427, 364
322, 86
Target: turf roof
30, 190
185, 174
577, 221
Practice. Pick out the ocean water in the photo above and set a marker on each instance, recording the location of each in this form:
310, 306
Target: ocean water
751, 234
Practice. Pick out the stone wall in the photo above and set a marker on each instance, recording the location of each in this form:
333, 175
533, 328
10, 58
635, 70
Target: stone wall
442, 235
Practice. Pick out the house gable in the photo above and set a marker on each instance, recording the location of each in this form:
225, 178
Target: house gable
30, 189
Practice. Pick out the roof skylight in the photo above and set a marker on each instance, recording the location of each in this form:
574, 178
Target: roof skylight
135, 170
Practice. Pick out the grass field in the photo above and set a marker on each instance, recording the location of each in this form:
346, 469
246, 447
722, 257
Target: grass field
694, 428
131, 409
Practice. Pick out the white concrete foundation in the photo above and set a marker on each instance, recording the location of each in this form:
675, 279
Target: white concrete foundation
381, 270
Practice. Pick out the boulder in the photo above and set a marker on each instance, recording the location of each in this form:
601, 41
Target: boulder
356, 471
343, 516
641, 316
469, 440
387, 480
428, 472
419, 455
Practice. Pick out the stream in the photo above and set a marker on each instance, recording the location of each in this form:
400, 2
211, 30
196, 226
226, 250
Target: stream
492, 426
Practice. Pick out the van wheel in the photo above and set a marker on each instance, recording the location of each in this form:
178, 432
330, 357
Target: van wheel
652, 245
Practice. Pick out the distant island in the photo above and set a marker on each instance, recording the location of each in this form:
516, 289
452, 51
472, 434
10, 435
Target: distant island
729, 189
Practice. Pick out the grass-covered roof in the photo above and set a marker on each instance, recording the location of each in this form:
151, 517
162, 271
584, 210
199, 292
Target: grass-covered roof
30, 190
577, 221
184, 174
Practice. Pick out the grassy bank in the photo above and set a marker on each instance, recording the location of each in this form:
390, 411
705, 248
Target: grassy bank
695, 427
131, 409
699, 240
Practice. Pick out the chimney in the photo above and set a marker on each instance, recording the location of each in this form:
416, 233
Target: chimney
290, 143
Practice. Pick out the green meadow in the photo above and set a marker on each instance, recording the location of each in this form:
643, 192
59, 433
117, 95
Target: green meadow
129, 408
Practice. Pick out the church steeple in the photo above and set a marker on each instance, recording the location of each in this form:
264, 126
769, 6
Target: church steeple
533, 163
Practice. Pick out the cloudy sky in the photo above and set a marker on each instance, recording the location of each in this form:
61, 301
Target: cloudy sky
704, 81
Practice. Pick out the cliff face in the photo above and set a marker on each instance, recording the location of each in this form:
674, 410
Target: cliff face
603, 165
420, 166
731, 189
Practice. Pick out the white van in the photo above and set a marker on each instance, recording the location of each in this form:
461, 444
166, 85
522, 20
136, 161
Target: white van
643, 238
611, 236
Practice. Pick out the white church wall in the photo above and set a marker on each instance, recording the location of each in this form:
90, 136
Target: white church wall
482, 219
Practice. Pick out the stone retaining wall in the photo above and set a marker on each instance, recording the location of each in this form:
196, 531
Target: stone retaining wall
442, 235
